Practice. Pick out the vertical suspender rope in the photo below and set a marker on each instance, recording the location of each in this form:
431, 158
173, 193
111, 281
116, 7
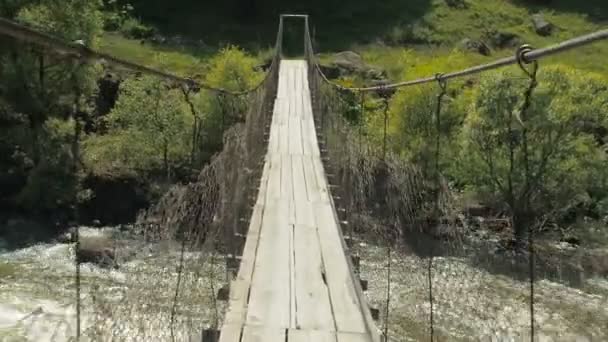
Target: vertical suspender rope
521, 61
385, 130
443, 91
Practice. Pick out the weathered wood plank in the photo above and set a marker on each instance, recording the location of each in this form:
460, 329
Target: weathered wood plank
263, 334
274, 177
230, 333
311, 292
344, 298
303, 207
287, 190
295, 136
310, 336
269, 301
352, 337
321, 180
312, 187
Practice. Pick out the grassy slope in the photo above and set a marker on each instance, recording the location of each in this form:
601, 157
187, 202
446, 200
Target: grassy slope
360, 24
178, 60
447, 26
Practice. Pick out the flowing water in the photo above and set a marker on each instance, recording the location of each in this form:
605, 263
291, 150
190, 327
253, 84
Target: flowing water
135, 301
472, 304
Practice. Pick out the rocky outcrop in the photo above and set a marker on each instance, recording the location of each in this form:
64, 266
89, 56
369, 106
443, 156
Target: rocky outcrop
96, 250
503, 40
541, 25
348, 63
475, 46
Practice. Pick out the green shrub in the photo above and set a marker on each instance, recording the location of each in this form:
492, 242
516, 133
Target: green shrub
540, 161
52, 183
133, 28
149, 130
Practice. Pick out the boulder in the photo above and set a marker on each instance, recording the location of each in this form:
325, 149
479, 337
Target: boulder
102, 257
502, 40
542, 26
475, 46
349, 61
331, 71
96, 250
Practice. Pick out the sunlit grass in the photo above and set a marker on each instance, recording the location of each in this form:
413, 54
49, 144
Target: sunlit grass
179, 60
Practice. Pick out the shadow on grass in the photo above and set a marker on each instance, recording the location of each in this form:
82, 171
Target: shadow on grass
252, 24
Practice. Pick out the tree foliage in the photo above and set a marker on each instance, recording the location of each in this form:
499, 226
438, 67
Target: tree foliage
540, 162
148, 130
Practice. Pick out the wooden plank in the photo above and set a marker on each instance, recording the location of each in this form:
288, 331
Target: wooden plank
307, 147
239, 288
295, 135
230, 333
344, 298
311, 293
292, 278
284, 145
310, 336
321, 180
312, 187
274, 178
269, 301
263, 190
263, 334
303, 208
287, 188
353, 337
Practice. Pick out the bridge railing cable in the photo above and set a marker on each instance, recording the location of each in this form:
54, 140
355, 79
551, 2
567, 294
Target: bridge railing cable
459, 270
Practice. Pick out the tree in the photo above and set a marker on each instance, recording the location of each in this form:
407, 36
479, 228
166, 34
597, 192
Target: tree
148, 130
48, 95
42, 86
231, 69
539, 164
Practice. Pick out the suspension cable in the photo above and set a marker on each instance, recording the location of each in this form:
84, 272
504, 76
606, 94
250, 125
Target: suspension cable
78, 50
527, 56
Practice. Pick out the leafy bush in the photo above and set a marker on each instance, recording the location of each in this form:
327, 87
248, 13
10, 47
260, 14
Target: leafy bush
536, 162
148, 130
230, 69
233, 69
52, 184
133, 28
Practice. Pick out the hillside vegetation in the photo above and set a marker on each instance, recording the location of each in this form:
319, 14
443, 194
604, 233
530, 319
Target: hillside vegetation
75, 138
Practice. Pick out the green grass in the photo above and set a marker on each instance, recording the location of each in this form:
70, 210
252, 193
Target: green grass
179, 60
443, 28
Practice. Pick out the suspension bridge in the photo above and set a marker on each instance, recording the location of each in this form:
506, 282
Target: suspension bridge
296, 279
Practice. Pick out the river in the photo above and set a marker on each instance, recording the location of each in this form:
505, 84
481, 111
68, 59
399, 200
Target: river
135, 301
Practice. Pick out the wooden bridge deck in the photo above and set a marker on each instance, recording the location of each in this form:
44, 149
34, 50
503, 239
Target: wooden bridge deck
295, 282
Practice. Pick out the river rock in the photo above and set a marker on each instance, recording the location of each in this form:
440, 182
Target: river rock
96, 250
542, 26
